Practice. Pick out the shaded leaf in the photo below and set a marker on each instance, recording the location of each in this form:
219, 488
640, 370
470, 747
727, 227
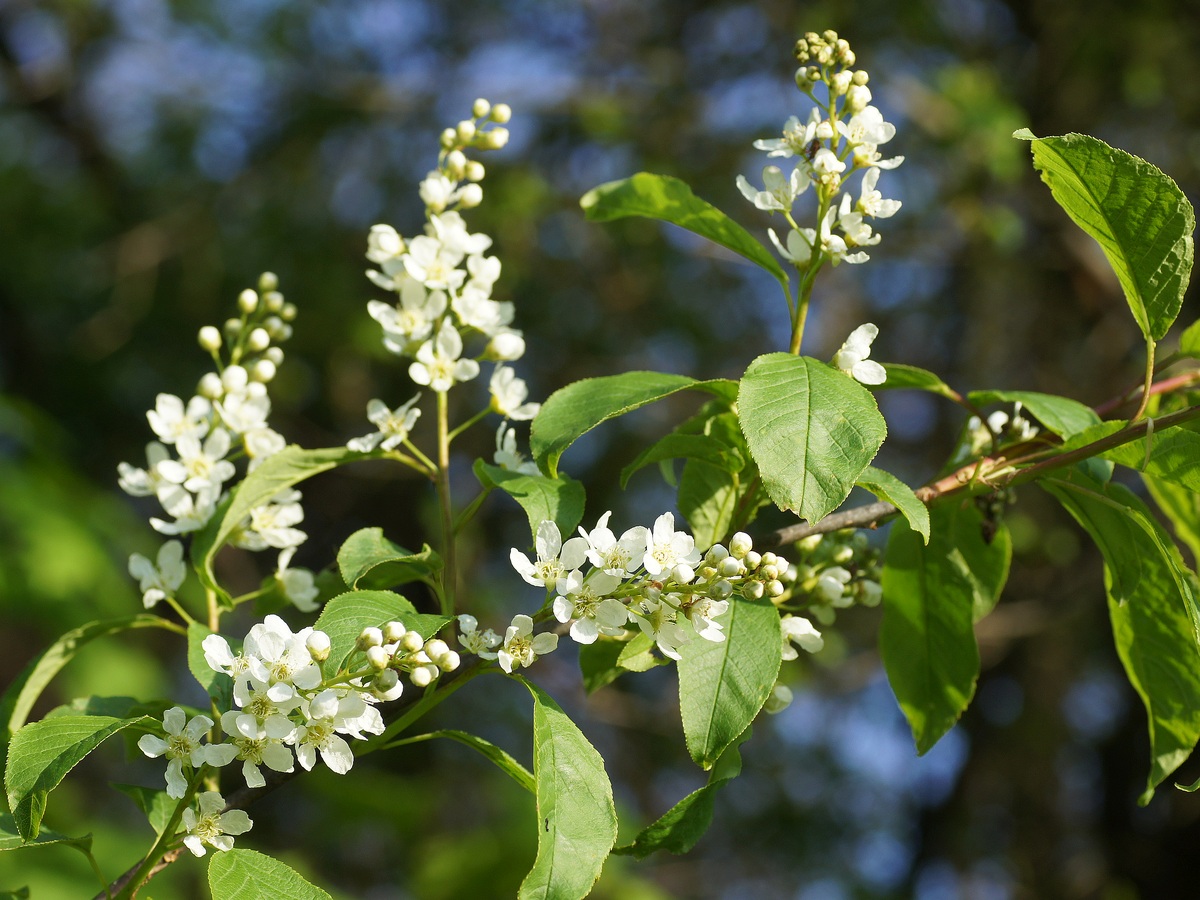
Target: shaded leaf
346, 615
153, 802
10, 838
249, 875
901, 376
887, 486
700, 447
217, 685
369, 561
559, 499
1062, 415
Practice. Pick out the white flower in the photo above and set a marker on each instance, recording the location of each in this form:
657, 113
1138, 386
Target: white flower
779, 699
667, 548
394, 426
852, 357
475, 309
701, 612
211, 826
434, 264
409, 323
779, 193
261, 443
256, 750
438, 191
834, 246
158, 582
298, 585
245, 409
796, 137
864, 132
171, 420
506, 345
451, 230
858, 232
509, 393
270, 525
182, 746
264, 706
484, 271
871, 202
554, 558
277, 655
144, 482
521, 647
658, 622
383, 244
799, 246
481, 643
438, 364
190, 513
507, 456
802, 632
617, 557
586, 601
831, 587
221, 658
827, 166
200, 466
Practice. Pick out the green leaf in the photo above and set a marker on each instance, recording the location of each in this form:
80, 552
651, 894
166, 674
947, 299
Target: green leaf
1182, 508
10, 838
346, 615
671, 200
573, 411
1189, 341
1062, 415
501, 758
902, 376
369, 561
217, 685
249, 875
604, 661
1140, 217
1152, 605
686, 446
284, 469
811, 429
1174, 455
708, 499
576, 816
559, 499
722, 686
932, 596
20, 696
42, 753
887, 486
153, 802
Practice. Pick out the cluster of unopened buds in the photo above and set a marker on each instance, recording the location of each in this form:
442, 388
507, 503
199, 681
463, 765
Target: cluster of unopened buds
842, 135
200, 440
393, 649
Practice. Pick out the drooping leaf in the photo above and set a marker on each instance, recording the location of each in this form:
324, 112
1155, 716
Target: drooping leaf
217, 685
42, 753
1153, 607
346, 615
20, 696
573, 411
576, 816
708, 499
283, 470
1182, 507
671, 200
811, 430
701, 447
559, 499
153, 802
501, 758
1140, 217
1062, 415
887, 486
722, 686
901, 376
10, 838
1173, 457
369, 561
250, 875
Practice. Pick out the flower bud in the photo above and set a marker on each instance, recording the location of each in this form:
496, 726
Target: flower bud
393, 632
448, 138
861, 77
839, 83
273, 301
209, 339
317, 644
412, 642
369, 637
501, 113
857, 98
720, 590
770, 573
843, 554
474, 171
730, 566
234, 378
288, 312
275, 355
849, 58
683, 573
378, 658
436, 649
248, 301
421, 677
496, 138
465, 131
233, 327
258, 340
716, 553
210, 386
740, 544
456, 164
385, 683
470, 196
869, 593
263, 371
505, 347
770, 559
780, 699
753, 590
480, 108
268, 281
752, 559
449, 661
774, 589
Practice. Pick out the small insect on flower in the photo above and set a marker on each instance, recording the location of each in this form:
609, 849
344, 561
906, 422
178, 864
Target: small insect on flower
811, 150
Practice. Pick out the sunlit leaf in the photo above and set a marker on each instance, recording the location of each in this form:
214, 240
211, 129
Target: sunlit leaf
369, 561
561, 499
249, 875
887, 486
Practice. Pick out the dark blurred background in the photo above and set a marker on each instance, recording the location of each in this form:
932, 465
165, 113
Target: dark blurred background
155, 157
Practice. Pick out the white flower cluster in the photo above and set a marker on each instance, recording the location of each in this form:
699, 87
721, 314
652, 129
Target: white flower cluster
839, 138
652, 578
191, 463
443, 283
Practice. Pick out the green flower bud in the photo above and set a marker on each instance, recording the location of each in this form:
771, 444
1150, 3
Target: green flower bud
209, 339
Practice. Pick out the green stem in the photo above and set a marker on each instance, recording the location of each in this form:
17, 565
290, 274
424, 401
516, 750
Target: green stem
214, 610
430, 465
1148, 383
471, 421
426, 704
450, 570
142, 874
99, 875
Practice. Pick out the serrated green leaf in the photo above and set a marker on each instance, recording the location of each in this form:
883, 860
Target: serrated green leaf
811, 430
501, 758
900, 376
249, 875
700, 447
10, 838
1189, 341
708, 499
576, 816
722, 686
42, 753
113, 707
573, 411
1062, 415
369, 561
1138, 215
283, 470
932, 596
153, 802
20, 696
1153, 607
671, 200
346, 615
1174, 457
217, 685
559, 499
887, 486
1182, 507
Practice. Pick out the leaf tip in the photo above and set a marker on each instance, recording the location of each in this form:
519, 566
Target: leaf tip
1024, 134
